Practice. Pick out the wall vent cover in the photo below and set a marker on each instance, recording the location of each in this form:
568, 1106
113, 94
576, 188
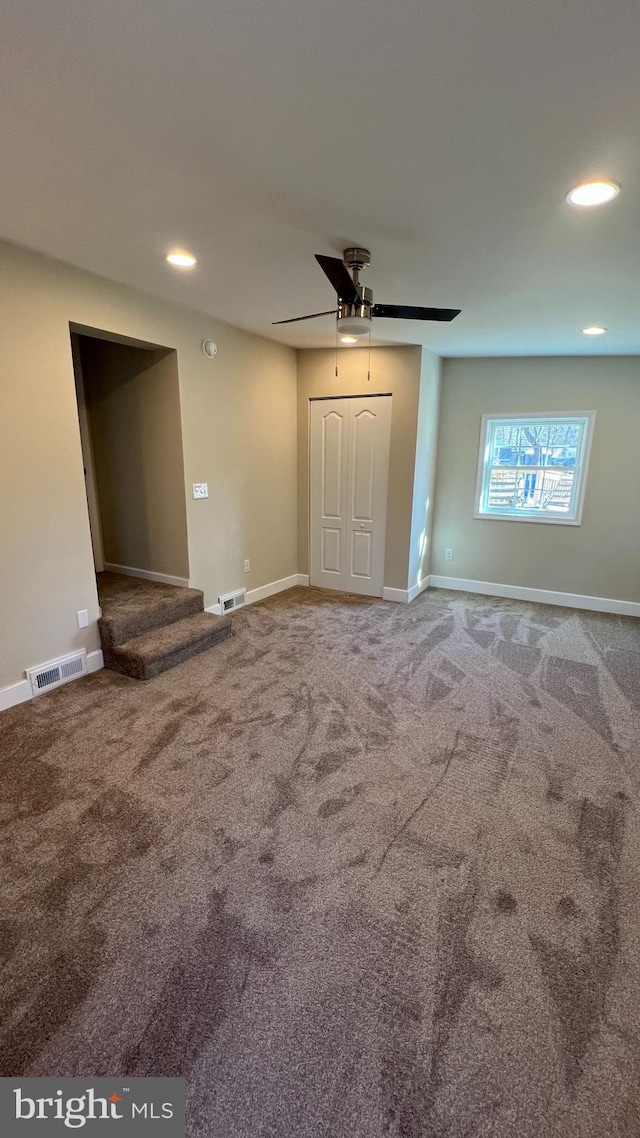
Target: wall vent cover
232, 601
57, 672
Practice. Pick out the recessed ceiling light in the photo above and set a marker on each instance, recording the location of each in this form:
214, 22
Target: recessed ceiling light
348, 339
594, 330
593, 193
181, 259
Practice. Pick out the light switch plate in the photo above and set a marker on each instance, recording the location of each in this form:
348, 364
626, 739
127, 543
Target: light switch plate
82, 617
200, 490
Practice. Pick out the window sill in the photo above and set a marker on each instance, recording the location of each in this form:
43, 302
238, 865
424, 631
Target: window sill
527, 518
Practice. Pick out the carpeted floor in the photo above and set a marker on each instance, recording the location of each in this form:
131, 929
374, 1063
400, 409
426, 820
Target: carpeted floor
365, 869
147, 627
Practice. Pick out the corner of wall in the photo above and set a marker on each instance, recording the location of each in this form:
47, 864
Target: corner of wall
425, 471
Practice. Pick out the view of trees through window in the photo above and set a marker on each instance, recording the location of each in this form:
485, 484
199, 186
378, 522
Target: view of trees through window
531, 467
547, 452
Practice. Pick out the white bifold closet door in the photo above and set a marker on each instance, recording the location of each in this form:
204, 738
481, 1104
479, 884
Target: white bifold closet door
349, 472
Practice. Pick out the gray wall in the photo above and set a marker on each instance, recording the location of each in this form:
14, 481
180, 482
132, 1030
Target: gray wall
238, 434
395, 370
133, 404
599, 558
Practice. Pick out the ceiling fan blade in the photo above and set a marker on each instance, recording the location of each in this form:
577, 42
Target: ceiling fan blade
411, 312
329, 312
340, 278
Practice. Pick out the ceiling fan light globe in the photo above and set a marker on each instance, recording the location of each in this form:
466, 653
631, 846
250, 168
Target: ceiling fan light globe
354, 326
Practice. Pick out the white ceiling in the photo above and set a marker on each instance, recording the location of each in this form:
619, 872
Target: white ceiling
442, 134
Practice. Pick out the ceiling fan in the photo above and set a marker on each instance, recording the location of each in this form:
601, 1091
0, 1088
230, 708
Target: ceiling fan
356, 309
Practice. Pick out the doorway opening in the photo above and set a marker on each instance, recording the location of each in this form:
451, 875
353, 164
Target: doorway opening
131, 436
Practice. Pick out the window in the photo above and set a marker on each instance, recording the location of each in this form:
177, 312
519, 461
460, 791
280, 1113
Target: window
533, 468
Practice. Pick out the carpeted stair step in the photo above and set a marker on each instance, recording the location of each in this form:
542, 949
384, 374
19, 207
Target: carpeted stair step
145, 656
138, 612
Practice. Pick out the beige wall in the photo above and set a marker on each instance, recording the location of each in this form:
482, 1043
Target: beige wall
599, 558
394, 370
425, 468
133, 404
239, 435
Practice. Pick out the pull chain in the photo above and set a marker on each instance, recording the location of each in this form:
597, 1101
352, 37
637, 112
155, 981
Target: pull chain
336, 349
369, 363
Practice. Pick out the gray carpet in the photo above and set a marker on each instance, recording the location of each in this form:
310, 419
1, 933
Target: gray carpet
363, 870
147, 627
132, 606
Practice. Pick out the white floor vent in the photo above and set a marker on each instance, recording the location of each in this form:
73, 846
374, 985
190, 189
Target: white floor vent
57, 672
232, 601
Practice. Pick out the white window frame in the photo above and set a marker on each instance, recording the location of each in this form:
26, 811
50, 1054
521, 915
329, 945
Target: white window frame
497, 513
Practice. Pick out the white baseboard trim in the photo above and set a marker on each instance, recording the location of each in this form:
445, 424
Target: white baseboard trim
95, 661
400, 596
541, 596
420, 587
405, 596
14, 694
264, 591
273, 587
147, 575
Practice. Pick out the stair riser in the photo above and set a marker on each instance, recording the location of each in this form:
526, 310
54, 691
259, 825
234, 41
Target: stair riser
114, 631
146, 670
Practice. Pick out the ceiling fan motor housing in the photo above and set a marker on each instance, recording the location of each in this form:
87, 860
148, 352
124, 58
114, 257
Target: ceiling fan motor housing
355, 319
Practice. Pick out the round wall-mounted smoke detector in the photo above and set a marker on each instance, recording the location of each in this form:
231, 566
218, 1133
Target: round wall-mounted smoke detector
209, 349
